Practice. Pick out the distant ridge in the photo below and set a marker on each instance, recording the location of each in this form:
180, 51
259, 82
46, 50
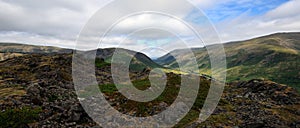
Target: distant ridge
275, 57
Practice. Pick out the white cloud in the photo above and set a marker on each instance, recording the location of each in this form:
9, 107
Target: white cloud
287, 10
149, 21
205, 4
63, 19
58, 22
60, 19
284, 18
27, 38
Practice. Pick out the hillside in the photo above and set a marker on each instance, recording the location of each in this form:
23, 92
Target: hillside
24, 48
275, 57
37, 91
139, 60
11, 50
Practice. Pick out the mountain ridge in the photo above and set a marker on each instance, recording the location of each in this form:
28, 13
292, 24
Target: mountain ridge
268, 57
37, 90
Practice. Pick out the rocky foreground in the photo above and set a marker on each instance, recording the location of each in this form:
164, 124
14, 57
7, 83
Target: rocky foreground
37, 91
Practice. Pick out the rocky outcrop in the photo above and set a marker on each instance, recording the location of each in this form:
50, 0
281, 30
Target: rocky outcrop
47, 84
260, 103
5, 56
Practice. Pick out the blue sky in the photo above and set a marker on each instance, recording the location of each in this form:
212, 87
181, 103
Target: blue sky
236, 8
153, 43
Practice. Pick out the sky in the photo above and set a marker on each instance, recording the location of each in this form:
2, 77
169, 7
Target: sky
59, 22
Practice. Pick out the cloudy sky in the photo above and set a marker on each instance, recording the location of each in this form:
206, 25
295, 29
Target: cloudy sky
59, 22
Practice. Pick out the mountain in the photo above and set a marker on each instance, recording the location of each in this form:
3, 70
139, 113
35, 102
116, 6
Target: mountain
24, 48
11, 50
275, 57
37, 90
139, 60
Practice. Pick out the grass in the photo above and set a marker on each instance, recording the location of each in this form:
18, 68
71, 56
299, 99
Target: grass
272, 58
142, 84
101, 63
282, 50
139, 108
190, 117
10, 90
137, 67
108, 88
168, 96
19, 117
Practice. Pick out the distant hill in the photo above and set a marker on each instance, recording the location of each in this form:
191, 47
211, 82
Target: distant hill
275, 57
139, 60
11, 50
37, 90
24, 48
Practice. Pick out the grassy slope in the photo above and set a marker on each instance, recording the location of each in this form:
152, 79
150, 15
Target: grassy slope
275, 57
139, 61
